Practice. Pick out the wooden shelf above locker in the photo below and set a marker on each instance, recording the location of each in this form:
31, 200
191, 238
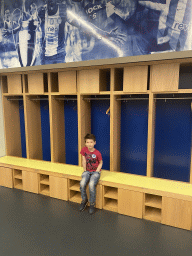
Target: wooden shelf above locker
164, 77
135, 79
37, 83
13, 84
67, 82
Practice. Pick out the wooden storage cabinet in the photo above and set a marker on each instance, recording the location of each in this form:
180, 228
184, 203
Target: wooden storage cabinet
110, 198
177, 213
44, 184
17, 179
74, 190
36, 83
153, 207
30, 181
6, 177
58, 187
130, 203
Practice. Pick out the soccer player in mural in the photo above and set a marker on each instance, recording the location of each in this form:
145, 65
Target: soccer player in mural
8, 53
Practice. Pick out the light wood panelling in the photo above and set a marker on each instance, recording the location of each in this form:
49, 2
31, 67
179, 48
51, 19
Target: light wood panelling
33, 128
99, 197
89, 81
115, 127
57, 130
14, 83
6, 177
67, 82
58, 187
35, 83
12, 127
151, 135
130, 203
176, 213
135, 79
30, 181
164, 77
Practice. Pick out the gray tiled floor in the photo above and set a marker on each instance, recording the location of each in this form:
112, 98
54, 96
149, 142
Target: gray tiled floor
34, 225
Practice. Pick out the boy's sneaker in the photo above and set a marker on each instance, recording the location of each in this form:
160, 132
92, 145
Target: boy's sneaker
83, 205
92, 209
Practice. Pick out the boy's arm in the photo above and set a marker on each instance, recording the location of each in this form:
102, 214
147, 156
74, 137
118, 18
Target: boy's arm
99, 166
84, 163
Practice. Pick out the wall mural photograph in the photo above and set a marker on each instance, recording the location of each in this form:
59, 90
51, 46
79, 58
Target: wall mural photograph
39, 32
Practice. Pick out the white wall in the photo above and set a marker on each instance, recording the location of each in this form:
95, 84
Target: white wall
2, 133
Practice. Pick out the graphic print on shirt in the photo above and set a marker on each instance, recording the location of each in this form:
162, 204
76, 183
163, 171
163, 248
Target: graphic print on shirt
90, 160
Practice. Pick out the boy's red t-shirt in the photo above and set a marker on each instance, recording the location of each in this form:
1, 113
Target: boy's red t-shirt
92, 159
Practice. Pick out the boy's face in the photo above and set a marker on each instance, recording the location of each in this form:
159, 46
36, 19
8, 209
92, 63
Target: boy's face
89, 143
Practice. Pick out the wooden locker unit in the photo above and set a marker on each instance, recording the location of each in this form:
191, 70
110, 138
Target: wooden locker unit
6, 177
14, 83
67, 82
130, 203
57, 130
58, 187
135, 79
12, 127
33, 128
164, 77
37, 83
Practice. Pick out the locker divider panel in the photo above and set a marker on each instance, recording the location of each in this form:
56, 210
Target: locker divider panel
173, 140
134, 129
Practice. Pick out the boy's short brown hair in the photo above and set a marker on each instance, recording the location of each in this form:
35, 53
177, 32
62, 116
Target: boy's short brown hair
90, 137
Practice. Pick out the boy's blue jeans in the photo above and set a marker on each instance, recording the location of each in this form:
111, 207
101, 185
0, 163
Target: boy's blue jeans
93, 179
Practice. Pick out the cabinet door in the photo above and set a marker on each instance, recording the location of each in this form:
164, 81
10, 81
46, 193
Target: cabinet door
30, 181
89, 81
176, 213
130, 203
58, 187
67, 82
135, 79
6, 177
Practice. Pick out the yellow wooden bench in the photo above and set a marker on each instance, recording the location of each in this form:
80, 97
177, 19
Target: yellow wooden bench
164, 201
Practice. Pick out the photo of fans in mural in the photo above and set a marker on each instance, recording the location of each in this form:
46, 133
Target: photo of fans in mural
39, 32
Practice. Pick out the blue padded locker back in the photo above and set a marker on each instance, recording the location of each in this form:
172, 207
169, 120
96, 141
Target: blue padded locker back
45, 130
71, 132
134, 131
173, 140
22, 128
100, 127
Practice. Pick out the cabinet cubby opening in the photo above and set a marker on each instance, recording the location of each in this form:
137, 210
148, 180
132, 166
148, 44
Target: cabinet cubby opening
152, 213
148, 79
131, 132
74, 184
185, 76
44, 188
153, 200
75, 196
18, 183
18, 173
44, 177
172, 152
104, 79
45, 82
110, 203
54, 82
111, 192
4, 84
118, 79
26, 84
